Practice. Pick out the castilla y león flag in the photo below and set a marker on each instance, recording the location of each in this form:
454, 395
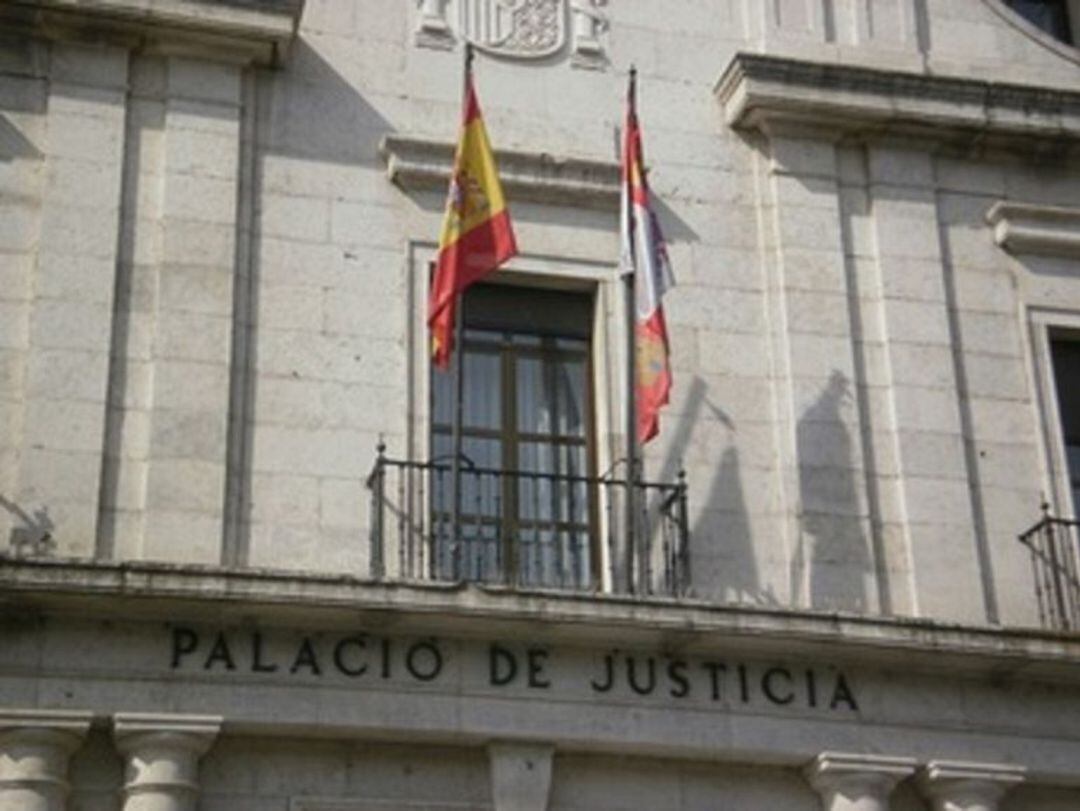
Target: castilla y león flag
476, 235
644, 254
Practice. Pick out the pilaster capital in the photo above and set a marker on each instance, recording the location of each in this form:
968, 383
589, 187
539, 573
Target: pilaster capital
856, 778
66, 727
962, 786
193, 734
161, 769
35, 746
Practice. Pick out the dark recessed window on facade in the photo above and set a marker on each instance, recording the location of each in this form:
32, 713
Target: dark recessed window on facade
527, 414
1066, 358
1051, 16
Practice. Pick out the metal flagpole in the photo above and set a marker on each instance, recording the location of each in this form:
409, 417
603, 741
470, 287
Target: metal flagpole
631, 352
458, 396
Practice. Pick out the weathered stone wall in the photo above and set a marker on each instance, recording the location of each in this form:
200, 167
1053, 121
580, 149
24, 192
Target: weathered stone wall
213, 297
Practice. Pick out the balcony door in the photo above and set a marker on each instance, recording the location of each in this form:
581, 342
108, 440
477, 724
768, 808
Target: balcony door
526, 508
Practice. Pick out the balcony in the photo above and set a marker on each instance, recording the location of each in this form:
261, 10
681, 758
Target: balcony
1054, 544
440, 522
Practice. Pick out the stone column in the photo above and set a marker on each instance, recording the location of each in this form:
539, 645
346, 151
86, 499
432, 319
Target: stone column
953, 786
161, 758
34, 749
520, 776
856, 782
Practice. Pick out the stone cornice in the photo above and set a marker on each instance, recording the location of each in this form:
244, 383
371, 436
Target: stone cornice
1035, 229
759, 91
419, 164
31, 588
234, 30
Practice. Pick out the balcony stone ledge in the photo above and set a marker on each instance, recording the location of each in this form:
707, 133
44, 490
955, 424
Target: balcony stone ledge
244, 31
31, 588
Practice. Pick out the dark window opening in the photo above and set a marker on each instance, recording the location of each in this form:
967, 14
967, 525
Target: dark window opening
1065, 354
1052, 16
527, 418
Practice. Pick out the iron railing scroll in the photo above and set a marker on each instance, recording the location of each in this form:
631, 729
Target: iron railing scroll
524, 529
1054, 544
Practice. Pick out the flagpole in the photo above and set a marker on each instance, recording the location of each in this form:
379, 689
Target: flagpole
631, 411
458, 395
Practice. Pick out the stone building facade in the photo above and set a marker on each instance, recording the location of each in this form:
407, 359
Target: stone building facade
232, 576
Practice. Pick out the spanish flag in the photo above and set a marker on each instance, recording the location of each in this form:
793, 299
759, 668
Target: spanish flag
644, 256
476, 235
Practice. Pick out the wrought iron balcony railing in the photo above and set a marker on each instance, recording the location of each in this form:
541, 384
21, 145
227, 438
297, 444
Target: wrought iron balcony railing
527, 529
1054, 544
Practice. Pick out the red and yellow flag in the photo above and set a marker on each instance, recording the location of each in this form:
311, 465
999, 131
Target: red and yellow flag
477, 235
644, 254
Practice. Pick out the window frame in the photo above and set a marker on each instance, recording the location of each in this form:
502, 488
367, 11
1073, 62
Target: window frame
1067, 7
1046, 326
606, 360
511, 437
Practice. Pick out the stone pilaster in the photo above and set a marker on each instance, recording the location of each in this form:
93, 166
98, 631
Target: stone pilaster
34, 750
520, 776
954, 786
856, 782
935, 478
161, 758
190, 354
70, 322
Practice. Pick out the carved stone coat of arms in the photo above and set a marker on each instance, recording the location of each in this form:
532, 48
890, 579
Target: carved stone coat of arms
526, 29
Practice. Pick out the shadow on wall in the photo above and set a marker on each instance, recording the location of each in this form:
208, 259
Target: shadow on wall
831, 566
33, 536
316, 113
723, 563
14, 145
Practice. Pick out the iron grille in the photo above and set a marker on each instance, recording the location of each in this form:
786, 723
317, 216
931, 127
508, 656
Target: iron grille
525, 529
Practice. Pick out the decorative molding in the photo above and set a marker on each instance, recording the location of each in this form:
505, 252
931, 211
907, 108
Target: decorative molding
1033, 229
423, 165
758, 92
232, 30
515, 29
590, 25
432, 29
